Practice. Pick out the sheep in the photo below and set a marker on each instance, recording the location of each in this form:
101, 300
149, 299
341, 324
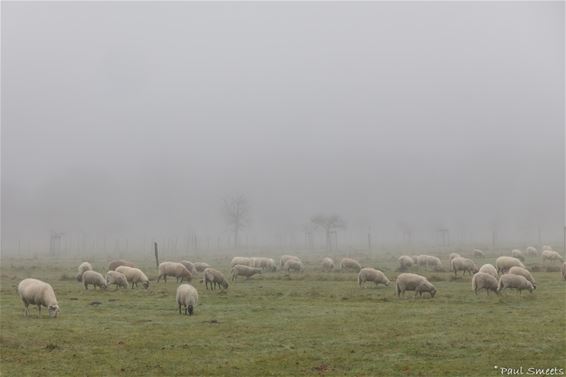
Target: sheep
214, 277
452, 256
478, 253
242, 270
482, 280
413, 282
516, 253
327, 265
85, 266
243, 261
263, 263
187, 296
201, 266
514, 281
371, 274
563, 270
419, 260
350, 264
503, 264
551, 256
173, 269
285, 258
405, 262
532, 251
294, 265
95, 279
189, 266
516, 270
489, 269
547, 247
116, 278
464, 265
134, 276
37, 292
120, 262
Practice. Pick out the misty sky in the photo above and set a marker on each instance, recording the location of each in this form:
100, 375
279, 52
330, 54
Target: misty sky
131, 119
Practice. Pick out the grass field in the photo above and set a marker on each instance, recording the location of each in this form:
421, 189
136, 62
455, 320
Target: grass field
279, 325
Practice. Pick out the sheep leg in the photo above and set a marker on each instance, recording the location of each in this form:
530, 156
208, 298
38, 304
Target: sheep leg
39, 310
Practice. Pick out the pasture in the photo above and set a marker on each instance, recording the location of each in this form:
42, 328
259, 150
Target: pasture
279, 324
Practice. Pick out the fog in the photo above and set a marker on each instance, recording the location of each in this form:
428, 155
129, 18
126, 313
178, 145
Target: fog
134, 121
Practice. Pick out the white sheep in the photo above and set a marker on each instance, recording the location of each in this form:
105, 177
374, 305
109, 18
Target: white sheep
242, 270
516, 270
189, 266
464, 265
187, 297
489, 269
482, 280
263, 263
116, 278
285, 258
85, 266
327, 264
405, 262
373, 275
551, 255
214, 277
413, 282
430, 261
478, 253
503, 264
419, 260
350, 264
514, 281
243, 261
95, 279
37, 292
452, 256
563, 270
532, 251
134, 276
516, 253
201, 266
547, 247
293, 265
120, 262
174, 269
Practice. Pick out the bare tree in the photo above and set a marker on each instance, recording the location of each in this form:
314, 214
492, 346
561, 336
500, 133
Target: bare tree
330, 224
237, 215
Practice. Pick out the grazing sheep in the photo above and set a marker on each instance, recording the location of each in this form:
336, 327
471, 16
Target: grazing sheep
243, 261
547, 247
478, 253
430, 261
37, 292
120, 262
187, 297
201, 266
85, 266
134, 276
116, 278
327, 265
285, 258
214, 277
532, 251
189, 266
464, 265
95, 279
413, 282
482, 280
405, 262
350, 264
293, 265
489, 269
516, 253
551, 256
174, 269
516, 270
371, 274
563, 270
452, 256
264, 263
514, 281
503, 264
242, 270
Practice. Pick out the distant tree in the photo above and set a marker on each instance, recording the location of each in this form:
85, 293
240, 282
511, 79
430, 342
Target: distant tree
330, 224
237, 215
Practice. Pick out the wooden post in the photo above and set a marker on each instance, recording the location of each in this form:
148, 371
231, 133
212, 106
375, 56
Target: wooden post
156, 254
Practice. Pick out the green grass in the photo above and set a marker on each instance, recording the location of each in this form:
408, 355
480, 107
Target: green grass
279, 325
